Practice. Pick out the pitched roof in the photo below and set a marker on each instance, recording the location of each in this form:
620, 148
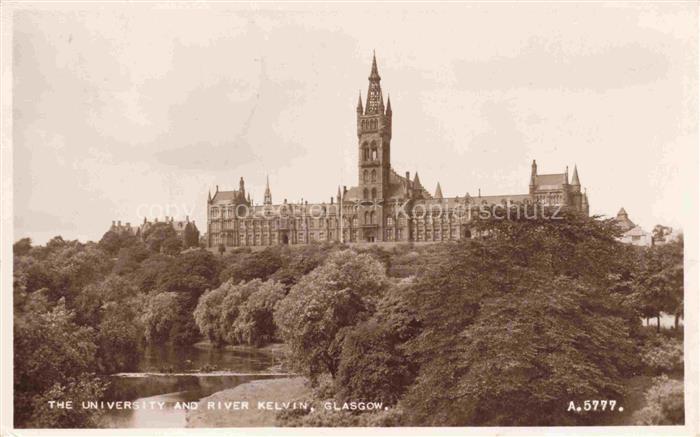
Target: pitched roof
225, 196
550, 179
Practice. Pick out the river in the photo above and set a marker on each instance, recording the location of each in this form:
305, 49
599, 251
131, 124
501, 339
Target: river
171, 374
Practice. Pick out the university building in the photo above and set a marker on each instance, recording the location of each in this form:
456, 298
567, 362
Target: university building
375, 209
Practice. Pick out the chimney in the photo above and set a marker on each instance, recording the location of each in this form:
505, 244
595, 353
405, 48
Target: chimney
408, 175
119, 223
187, 218
113, 222
331, 200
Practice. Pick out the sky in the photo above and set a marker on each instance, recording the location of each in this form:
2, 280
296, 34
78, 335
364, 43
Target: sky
122, 111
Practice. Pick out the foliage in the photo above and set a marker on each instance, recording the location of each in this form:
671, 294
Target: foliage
49, 348
371, 366
159, 315
172, 246
239, 313
119, 337
85, 387
662, 354
664, 403
314, 317
22, 247
191, 236
156, 234
246, 266
113, 241
660, 280
255, 322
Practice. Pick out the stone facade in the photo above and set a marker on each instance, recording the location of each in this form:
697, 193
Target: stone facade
632, 234
178, 226
374, 209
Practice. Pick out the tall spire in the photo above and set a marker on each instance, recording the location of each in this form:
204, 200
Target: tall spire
438, 191
574, 179
375, 100
374, 74
268, 194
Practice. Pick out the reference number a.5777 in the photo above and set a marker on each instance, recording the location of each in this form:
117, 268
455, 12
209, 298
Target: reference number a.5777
594, 405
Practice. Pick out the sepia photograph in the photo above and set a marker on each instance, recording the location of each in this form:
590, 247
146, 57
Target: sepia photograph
476, 217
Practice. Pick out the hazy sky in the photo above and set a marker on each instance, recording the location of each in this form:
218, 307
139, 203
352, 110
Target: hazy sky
123, 109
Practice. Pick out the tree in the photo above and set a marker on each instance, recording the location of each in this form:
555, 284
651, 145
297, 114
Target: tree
112, 241
157, 234
664, 404
191, 236
208, 313
534, 346
246, 266
119, 337
255, 324
659, 233
49, 349
322, 307
159, 315
660, 281
22, 247
172, 246
371, 365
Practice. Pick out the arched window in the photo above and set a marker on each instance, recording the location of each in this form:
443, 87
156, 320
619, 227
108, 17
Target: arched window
367, 218
374, 193
365, 179
371, 217
365, 194
374, 176
374, 154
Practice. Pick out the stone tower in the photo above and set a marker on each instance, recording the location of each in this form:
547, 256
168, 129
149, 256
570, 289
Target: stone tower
374, 140
374, 156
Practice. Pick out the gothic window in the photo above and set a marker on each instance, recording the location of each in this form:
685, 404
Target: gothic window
374, 176
374, 154
374, 193
365, 194
367, 218
365, 179
371, 217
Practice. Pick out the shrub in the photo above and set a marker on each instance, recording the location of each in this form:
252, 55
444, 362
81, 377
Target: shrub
662, 354
664, 404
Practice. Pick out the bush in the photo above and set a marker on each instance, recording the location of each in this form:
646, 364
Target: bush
324, 305
662, 354
664, 404
371, 367
239, 313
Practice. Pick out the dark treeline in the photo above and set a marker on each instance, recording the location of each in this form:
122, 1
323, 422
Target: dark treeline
505, 329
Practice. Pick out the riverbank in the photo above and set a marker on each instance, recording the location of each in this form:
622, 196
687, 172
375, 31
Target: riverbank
269, 390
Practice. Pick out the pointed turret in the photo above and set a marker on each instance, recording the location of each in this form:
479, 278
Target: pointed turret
622, 213
533, 176
338, 196
268, 193
208, 201
574, 180
438, 191
584, 202
374, 74
375, 100
359, 103
416, 181
388, 105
